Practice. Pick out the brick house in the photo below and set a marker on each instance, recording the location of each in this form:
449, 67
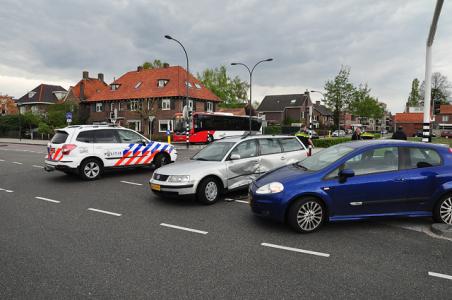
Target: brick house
444, 118
86, 87
147, 100
38, 99
7, 106
278, 109
322, 116
410, 122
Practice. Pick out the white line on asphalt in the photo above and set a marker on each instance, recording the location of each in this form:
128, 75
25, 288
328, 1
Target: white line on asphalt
132, 183
296, 250
17, 163
105, 212
5, 190
2, 160
184, 228
242, 201
440, 275
48, 200
41, 167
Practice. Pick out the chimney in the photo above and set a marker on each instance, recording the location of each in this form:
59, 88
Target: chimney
100, 76
165, 65
306, 92
85, 75
139, 68
317, 102
82, 90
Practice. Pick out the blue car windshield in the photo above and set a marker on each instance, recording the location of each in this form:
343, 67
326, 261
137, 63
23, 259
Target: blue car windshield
324, 158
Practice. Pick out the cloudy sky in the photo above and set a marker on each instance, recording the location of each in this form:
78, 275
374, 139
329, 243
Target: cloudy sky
382, 41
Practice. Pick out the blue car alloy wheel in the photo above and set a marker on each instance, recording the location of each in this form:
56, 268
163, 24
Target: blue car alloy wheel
306, 215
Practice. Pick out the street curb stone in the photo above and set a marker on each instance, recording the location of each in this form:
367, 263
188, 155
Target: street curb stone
444, 230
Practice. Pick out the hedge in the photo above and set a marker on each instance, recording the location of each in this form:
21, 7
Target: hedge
328, 142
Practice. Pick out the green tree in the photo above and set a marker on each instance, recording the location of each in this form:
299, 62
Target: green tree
414, 97
339, 93
233, 91
157, 63
56, 114
364, 105
43, 128
441, 90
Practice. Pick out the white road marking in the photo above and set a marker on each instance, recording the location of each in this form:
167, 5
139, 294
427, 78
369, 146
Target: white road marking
7, 191
17, 163
440, 275
242, 201
132, 183
295, 250
105, 212
35, 166
2, 160
184, 228
48, 200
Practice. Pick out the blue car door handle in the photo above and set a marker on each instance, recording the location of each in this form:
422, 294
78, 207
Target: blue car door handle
399, 179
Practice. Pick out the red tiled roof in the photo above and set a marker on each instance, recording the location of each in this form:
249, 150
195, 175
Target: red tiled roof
149, 89
445, 109
409, 118
92, 86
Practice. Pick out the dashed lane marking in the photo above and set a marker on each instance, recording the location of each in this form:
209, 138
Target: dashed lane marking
444, 276
17, 163
295, 250
35, 166
7, 191
48, 200
183, 228
132, 183
105, 212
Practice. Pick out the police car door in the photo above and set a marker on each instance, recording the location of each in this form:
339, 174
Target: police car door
136, 149
243, 164
107, 146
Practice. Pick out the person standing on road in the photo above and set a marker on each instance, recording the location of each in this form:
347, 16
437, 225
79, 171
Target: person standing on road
399, 134
356, 134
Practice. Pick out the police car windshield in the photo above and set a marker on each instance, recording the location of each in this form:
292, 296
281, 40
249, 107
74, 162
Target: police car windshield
214, 152
324, 158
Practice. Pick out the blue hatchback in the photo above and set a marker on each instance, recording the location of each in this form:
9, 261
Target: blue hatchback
358, 180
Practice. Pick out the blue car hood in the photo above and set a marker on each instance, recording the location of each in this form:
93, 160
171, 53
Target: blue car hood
284, 174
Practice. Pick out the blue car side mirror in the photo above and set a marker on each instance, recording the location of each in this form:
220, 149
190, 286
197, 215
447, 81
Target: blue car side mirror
346, 173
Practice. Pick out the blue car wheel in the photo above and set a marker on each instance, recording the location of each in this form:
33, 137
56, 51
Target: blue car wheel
306, 215
443, 210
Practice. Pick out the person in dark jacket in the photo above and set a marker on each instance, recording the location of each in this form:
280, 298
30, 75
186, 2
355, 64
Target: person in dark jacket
399, 134
356, 134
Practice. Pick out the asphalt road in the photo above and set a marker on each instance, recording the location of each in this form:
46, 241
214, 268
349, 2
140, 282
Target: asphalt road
61, 237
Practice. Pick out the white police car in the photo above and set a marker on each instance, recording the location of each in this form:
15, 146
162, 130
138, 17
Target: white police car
90, 149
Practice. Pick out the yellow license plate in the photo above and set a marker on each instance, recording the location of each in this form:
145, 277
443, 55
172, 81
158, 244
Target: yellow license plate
155, 186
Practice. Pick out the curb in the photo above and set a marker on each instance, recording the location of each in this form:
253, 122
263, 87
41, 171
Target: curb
443, 230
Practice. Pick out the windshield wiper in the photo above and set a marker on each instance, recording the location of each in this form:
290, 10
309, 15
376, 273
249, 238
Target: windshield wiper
301, 166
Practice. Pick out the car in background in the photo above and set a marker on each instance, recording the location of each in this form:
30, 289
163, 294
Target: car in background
359, 180
446, 134
225, 165
367, 135
338, 133
419, 133
88, 150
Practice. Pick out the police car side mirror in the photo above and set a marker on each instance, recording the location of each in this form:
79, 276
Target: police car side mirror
144, 142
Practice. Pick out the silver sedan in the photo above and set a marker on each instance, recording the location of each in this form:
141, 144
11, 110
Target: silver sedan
225, 165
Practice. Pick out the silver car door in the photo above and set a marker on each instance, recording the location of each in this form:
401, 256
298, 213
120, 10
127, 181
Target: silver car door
242, 164
271, 154
293, 150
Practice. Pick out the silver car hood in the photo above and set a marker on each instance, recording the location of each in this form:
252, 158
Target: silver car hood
190, 167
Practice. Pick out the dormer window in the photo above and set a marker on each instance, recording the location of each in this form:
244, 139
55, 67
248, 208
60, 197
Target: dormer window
198, 86
293, 101
162, 83
31, 94
114, 86
188, 84
138, 84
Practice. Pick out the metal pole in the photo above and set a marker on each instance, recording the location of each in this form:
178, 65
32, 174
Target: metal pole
249, 104
428, 73
310, 130
20, 124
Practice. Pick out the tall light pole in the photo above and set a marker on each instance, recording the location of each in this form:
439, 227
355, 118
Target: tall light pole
187, 129
250, 71
428, 73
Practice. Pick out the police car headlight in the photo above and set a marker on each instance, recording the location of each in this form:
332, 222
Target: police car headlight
179, 178
271, 188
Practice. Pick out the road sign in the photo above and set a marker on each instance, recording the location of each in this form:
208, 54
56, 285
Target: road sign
69, 117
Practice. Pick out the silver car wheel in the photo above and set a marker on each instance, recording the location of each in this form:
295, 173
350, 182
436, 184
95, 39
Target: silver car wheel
445, 211
91, 170
309, 216
211, 191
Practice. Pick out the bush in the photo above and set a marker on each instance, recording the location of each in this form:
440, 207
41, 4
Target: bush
273, 129
328, 142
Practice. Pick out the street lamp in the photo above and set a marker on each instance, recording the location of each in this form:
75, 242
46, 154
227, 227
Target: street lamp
251, 80
187, 136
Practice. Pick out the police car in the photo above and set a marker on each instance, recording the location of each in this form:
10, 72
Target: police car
90, 149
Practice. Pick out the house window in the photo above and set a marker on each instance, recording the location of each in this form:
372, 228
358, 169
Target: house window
99, 107
134, 105
138, 84
34, 109
209, 107
162, 83
166, 104
114, 86
190, 104
198, 86
165, 125
22, 109
134, 125
31, 94
188, 84
445, 118
112, 106
119, 106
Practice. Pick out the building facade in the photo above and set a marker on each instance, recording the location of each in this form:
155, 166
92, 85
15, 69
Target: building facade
280, 109
7, 106
443, 120
38, 100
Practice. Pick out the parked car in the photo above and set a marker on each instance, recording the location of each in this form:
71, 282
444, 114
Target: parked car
358, 180
367, 135
446, 134
419, 133
90, 149
225, 165
338, 133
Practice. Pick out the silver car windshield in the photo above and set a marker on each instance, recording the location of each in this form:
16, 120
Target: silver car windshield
214, 152
324, 158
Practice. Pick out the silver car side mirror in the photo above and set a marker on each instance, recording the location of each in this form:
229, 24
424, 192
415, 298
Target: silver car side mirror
235, 156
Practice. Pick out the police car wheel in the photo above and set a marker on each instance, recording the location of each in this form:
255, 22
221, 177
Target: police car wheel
208, 191
90, 169
161, 160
